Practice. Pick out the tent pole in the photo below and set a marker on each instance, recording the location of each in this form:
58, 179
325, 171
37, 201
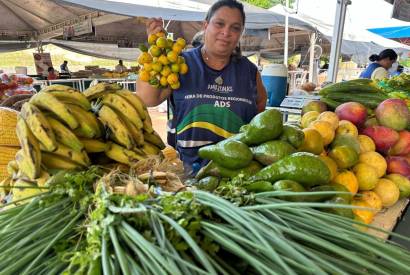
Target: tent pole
285, 47
312, 56
337, 39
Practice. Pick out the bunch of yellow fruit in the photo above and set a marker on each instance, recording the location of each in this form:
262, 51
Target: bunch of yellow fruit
162, 61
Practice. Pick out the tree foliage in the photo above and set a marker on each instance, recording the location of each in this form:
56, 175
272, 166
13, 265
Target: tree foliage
266, 4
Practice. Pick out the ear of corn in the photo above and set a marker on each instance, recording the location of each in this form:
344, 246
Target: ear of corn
8, 121
7, 154
3, 172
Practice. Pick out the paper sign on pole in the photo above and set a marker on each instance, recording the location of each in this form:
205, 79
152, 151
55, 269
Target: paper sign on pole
42, 61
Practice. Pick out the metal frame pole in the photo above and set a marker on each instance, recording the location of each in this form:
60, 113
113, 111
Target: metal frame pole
337, 38
285, 47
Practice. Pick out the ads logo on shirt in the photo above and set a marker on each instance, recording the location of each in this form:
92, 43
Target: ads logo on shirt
218, 86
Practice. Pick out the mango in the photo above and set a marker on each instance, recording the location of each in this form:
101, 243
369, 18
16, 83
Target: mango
384, 138
402, 146
398, 165
353, 112
393, 113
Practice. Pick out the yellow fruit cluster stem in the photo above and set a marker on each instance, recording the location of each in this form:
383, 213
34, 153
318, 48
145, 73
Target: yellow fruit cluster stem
162, 62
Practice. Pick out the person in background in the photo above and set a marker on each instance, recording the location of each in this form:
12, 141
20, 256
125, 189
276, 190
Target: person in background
198, 39
64, 67
221, 91
51, 74
120, 68
399, 70
380, 65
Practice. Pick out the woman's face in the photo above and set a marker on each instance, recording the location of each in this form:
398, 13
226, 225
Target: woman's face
223, 31
387, 63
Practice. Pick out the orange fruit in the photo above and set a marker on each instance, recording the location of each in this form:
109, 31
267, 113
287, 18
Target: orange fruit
366, 144
172, 78
308, 118
366, 176
344, 156
161, 42
331, 164
144, 58
183, 68
366, 216
177, 48
325, 129
372, 199
153, 73
388, 192
330, 117
148, 67
181, 60
346, 127
180, 41
376, 160
166, 70
175, 68
163, 81
163, 60
175, 85
155, 51
156, 66
172, 56
348, 180
169, 43
153, 81
313, 142
152, 38
144, 75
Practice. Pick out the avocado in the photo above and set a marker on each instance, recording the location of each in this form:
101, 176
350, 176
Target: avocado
209, 183
293, 135
302, 167
216, 170
320, 197
344, 212
243, 128
272, 151
230, 154
291, 186
263, 127
259, 186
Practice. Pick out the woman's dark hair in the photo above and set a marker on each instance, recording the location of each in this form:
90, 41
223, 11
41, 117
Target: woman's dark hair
50, 69
387, 53
233, 4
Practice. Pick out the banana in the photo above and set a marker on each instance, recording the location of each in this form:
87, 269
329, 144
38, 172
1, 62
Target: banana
12, 167
23, 189
121, 105
135, 101
136, 133
120, 132
89, 125
64, 135
155, 139
30, 147
80, 157
93, 145
148, 123
49, 102
39, 126
121, 154
150, 149
53, 161
100, 89
44, 177
57, 87
27, 166
76, 98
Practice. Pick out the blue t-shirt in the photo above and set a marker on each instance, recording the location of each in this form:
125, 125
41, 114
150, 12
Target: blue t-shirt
211, 105
367, 73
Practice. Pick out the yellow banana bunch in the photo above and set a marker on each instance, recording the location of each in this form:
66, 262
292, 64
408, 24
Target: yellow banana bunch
64, 135
122, 154
39, 125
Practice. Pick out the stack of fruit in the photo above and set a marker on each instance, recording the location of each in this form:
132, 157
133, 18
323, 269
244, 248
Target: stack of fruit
162, 62
352, 157
59, 130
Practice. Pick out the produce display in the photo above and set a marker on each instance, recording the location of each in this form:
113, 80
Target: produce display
95, 192
14, 84
62, 129
161, 62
